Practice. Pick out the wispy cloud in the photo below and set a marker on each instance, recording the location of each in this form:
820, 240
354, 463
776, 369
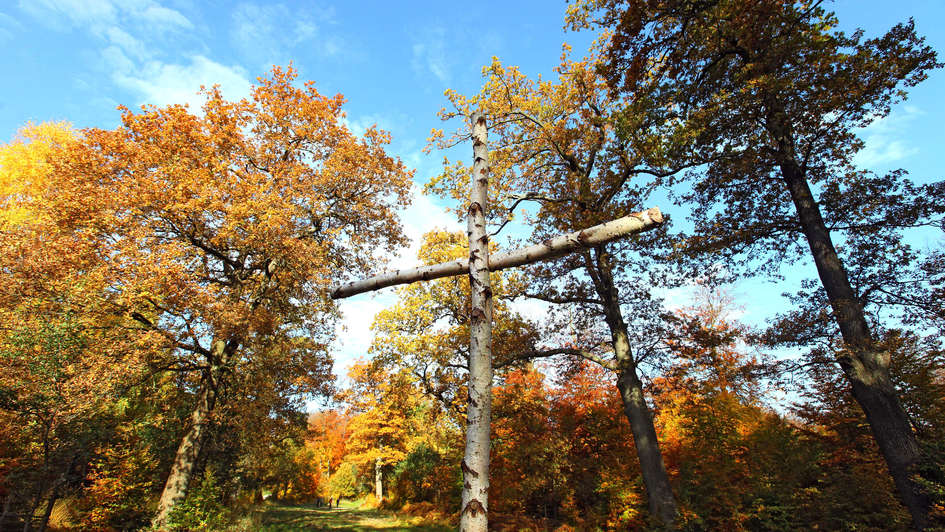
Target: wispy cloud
162, 17
130, 31
884, 139
430, 55
98, 15
423, 216
8, 25
267, 32
354, 330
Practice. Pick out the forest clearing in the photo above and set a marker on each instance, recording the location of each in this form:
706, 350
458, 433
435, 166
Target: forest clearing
684, 275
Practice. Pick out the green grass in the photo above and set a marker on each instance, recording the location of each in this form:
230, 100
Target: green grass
287, 518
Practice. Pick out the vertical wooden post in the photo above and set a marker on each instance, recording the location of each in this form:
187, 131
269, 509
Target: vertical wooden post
475, 465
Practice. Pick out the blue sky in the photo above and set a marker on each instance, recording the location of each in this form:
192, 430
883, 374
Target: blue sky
76, 60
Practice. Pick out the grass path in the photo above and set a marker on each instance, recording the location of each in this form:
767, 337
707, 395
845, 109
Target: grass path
285, 518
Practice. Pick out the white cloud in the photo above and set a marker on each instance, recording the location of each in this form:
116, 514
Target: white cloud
883, 139
127, 43
162, 17
265, 33
531, 309
7, 26
421, 217
162, 83
430, 55
129, 29
86, 13
117, 61
353, 333
98, 15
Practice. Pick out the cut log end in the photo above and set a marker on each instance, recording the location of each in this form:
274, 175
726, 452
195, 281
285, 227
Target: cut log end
653, 213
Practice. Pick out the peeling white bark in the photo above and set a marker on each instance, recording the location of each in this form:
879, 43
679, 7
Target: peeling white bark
475, 465
549, 249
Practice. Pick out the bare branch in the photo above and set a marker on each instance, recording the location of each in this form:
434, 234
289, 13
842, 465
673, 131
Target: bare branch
583, 353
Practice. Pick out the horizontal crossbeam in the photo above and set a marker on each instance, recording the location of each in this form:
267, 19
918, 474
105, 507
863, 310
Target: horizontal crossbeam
549, 249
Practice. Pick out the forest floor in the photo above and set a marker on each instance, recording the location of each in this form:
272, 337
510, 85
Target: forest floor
290, 518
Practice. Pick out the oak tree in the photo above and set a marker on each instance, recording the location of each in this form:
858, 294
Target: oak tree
221, 233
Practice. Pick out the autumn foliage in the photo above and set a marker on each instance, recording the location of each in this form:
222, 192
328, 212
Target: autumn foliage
165, 311
177, 267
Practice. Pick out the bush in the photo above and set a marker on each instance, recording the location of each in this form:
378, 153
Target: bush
203, 510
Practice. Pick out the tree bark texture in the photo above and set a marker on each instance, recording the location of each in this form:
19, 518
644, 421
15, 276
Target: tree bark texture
659, 492
182, 470
865, 366
475, 465
555, 247
378, 485
53, 497
662, 502
7, 502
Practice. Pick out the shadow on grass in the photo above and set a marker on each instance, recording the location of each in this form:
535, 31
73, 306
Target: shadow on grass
285, 518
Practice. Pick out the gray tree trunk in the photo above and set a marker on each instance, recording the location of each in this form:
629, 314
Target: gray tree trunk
659, 492
475, 465
7, 503
182, 470
865, 366
53, 497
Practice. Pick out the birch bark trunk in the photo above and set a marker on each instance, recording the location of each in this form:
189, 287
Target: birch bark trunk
555, 247
378, 486
475, 465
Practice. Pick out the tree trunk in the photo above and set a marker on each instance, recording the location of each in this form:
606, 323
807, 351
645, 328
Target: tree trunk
475, 465
53, 497
28, 521
865, 366
182, 470
7, 502
175, 489
378, 487
660, 496
659, 492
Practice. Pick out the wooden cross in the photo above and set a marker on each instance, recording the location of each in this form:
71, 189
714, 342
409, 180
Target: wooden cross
475, 464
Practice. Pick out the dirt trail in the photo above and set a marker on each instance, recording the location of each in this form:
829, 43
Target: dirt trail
281, 518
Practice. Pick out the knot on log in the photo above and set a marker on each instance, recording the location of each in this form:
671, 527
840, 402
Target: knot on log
467, 469
474, 507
